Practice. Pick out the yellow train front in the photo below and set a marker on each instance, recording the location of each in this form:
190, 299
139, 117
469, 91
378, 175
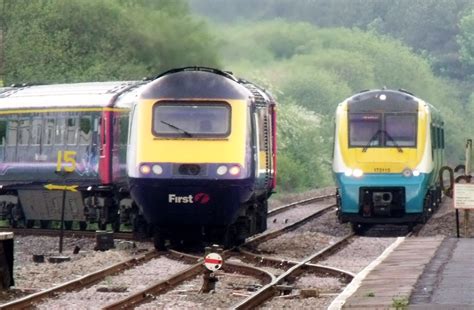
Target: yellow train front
388, 150
201, 156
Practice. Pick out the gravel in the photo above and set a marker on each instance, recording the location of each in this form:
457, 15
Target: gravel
31, 276
230, 288
116, 287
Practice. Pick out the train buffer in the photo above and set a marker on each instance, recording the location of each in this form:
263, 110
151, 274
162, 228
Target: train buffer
415, 273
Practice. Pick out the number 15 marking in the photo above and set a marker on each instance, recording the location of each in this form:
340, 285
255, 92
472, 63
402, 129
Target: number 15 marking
68, 162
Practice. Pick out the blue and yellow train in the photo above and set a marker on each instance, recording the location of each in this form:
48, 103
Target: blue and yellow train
202, 155
388, 151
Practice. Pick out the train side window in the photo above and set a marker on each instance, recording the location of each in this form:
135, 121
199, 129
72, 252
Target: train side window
71, 131
3, 132
36, 131
442, 138
85, 130
24, 131
438, 133
48, 132
60, 130
12, 132
123, 129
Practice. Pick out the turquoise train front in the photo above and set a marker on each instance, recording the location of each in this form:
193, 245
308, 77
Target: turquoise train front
388, 150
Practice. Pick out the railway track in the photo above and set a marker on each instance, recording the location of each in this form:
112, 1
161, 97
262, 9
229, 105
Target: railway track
195, 269
151, 292
296, 268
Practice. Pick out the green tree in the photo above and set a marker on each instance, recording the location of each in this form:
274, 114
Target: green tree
83, 40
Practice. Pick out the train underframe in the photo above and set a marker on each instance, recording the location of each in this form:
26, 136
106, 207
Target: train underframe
38, 207
387, 205
250, 220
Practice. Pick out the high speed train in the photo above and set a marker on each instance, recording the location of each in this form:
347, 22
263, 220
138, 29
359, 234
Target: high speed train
388, 151
202, 155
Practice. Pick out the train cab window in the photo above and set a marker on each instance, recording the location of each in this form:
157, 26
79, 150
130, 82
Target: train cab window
48, 137
188, 120
85, 130
364, 129
24, 131
400, 130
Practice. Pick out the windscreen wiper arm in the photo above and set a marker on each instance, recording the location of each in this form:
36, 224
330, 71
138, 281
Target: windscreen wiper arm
186, 133
400, 150
394, 142
376, 134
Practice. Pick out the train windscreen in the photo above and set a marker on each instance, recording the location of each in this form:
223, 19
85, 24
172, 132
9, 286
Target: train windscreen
382, 130
187, 120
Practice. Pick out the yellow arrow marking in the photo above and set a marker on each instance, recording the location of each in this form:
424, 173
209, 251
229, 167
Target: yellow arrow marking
72, 188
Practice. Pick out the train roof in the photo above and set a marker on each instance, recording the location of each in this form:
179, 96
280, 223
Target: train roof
83, 95
202, 82
372, 99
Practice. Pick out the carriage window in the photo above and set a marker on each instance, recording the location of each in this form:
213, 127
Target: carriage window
187, 120
85, 130
60, 130
123, 129
24, 131
36, 131
3, 132
400, 130
12, 132
71, 133
364, 129
48, 137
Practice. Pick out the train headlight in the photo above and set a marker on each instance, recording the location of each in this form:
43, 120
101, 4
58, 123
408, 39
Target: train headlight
235, 170
358, 173
348, 172
157, 169
416, 173
145, 169
221, 170
407, 172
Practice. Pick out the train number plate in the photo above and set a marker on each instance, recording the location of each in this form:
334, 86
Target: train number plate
382, 170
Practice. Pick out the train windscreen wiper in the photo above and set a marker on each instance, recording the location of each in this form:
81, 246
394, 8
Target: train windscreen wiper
186, 133
394, 142
376, 134
400, 150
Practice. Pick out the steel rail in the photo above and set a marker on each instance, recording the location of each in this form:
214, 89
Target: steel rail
165, 285
297, 203
173, 281
89, 279
270, 289
273, 234
67, 233
162, 286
